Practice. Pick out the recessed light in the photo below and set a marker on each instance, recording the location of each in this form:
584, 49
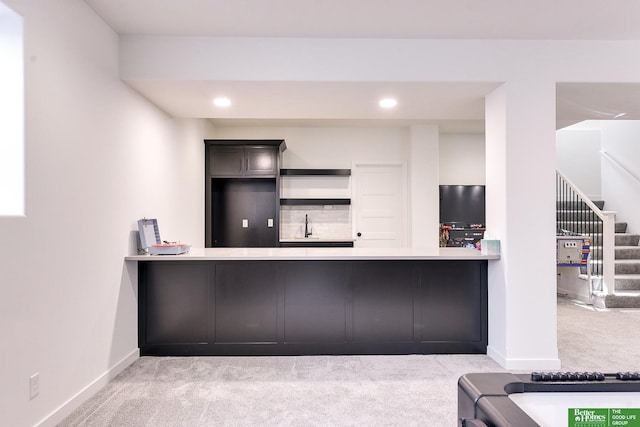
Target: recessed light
222, 102
388, 103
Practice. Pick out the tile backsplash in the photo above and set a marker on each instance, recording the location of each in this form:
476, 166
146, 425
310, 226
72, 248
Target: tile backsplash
326, 222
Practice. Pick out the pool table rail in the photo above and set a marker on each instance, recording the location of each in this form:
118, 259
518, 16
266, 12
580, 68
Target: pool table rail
483, 398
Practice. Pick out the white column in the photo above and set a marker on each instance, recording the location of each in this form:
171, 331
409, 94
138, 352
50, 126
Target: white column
424, 210
520, 189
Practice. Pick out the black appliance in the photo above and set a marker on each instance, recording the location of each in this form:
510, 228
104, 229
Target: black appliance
462, 214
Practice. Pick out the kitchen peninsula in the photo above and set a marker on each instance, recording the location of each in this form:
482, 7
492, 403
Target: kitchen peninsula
301, 301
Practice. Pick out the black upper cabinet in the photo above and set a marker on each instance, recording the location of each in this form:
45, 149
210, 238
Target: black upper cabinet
242, 161
225, 160
242, 184
260, 161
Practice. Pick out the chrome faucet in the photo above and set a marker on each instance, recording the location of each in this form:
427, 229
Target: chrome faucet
307, 229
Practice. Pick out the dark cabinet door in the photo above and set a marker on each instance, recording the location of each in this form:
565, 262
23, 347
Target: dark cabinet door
452, 301
176, 303
242, 161
246, 302
315, 302
260, 161
226, 160
383, 295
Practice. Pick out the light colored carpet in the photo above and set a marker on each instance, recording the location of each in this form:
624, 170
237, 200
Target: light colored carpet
591, 339
414, 390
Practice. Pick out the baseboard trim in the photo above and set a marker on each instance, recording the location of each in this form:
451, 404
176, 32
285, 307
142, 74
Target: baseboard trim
89, 391
533, 364
523, 364
497, 356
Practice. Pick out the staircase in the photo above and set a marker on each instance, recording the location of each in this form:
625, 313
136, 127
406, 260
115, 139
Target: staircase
627, 271
572, 217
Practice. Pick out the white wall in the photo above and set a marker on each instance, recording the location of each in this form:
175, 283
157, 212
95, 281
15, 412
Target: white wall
338, 147
620, 190
98, 158
462, 159
332, 147
11, 113
578, 151
578, 157
424, 206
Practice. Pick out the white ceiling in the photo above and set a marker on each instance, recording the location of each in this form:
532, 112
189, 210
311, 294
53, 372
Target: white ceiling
456, 107
435, 19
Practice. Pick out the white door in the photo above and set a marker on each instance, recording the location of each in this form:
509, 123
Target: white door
379, 204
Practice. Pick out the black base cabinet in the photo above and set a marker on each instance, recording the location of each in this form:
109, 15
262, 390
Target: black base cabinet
312, 307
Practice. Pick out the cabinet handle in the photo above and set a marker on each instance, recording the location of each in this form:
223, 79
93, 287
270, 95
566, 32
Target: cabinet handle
359, 234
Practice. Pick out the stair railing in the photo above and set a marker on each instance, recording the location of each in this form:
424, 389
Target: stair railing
577, 215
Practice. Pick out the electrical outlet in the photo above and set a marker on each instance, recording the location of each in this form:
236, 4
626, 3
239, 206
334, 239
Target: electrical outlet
34, 385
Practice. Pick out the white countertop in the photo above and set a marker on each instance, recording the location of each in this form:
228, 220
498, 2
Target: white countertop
248, 254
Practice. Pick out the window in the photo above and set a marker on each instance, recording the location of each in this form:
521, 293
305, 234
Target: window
11, 113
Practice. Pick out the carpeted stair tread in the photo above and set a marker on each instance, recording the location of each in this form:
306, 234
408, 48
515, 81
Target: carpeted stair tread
627, 266
627, 239
627, 282
627, 252
620, 300
620, 227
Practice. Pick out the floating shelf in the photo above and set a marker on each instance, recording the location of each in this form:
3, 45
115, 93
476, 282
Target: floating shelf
309, 202
315, 172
